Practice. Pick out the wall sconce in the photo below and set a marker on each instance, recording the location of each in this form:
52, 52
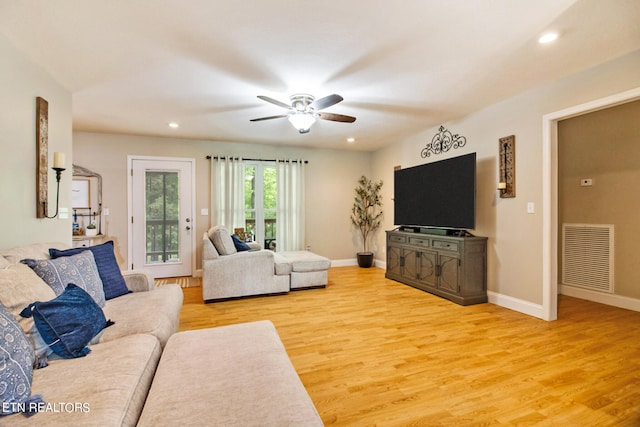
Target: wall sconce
507, 183
58, 166
42, 161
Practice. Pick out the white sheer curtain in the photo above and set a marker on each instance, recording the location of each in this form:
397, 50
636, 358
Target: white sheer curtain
290, 205
227, 192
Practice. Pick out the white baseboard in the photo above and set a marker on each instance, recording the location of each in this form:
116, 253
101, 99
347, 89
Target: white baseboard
198, 273
515, 304
343, 262
354, 261
609, 299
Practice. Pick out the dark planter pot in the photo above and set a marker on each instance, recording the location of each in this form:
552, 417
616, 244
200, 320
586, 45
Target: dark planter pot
365, 259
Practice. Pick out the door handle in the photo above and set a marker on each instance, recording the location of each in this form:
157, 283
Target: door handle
188, 220
188, 228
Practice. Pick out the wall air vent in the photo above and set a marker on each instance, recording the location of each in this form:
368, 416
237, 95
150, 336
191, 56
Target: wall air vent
587, 256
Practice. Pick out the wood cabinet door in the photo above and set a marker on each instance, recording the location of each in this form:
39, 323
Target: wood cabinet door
393, 260
428, 268
448, 273
410, 269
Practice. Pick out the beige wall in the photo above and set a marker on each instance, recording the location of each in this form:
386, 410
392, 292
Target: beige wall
604, 146
515, 237
515, 263
331, 177
20, 83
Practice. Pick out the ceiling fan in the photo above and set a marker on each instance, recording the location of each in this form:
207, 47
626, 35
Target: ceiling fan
305, 109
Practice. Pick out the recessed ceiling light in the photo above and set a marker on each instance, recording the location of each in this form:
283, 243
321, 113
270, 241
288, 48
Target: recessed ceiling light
351, 140
174, 125
547, 38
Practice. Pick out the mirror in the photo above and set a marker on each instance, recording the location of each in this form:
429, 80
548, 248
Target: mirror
86, 199
81, 193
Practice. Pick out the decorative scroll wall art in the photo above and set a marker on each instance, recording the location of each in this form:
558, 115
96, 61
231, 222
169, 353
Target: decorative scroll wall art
42, 156
442, 142
507, 184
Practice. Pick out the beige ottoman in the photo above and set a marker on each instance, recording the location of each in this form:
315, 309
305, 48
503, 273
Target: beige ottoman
308, 270
237, 375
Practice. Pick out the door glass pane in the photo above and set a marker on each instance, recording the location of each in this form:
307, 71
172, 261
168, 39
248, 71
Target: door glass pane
162, 217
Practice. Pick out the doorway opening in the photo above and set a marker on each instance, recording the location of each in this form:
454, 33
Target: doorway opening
550, 192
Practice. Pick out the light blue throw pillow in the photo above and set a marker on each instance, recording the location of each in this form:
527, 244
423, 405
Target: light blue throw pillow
16, 363
108, 269
79, 269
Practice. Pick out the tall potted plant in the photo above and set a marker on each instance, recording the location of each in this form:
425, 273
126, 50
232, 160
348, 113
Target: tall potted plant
366, 215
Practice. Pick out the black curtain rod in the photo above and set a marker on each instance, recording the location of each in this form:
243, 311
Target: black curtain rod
257, 160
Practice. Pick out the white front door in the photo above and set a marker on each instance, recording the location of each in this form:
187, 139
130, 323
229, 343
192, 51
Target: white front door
161, 224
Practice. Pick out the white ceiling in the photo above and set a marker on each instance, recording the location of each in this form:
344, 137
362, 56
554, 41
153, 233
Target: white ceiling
134, 66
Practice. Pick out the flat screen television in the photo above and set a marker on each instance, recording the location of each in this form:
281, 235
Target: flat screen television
440, 194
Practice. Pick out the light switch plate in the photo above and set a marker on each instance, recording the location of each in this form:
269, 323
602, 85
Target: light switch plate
531, 208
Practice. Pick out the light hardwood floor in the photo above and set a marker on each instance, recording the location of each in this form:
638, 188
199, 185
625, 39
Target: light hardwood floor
371, 351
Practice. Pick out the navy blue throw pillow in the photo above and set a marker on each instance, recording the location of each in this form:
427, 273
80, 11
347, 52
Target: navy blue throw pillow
108, 269
68, 322
239, 244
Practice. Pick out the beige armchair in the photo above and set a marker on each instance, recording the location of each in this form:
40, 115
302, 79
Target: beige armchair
227, 273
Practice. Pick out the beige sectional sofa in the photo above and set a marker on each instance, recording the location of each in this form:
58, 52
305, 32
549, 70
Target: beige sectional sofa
140, 371
229, 273
109, 386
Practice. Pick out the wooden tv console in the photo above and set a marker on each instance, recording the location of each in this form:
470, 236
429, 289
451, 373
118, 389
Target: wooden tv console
451, 267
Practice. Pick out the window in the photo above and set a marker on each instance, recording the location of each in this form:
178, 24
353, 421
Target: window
260, 201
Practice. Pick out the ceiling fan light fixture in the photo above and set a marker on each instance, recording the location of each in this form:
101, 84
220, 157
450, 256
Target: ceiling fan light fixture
302, 121
305, 110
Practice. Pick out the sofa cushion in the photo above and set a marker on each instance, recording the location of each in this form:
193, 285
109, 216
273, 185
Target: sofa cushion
19, 287
282, 265
222, 240
250, 381
108, 387
108, 269
34, 250
16, 364
155, 312
68, 322
79, 269
302, 261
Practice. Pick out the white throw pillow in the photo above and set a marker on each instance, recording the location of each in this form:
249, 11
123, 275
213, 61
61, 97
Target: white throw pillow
222, 240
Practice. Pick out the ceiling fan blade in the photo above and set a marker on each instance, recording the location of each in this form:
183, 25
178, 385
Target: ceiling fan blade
269, 118
337, 117
327, 101
274, 101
